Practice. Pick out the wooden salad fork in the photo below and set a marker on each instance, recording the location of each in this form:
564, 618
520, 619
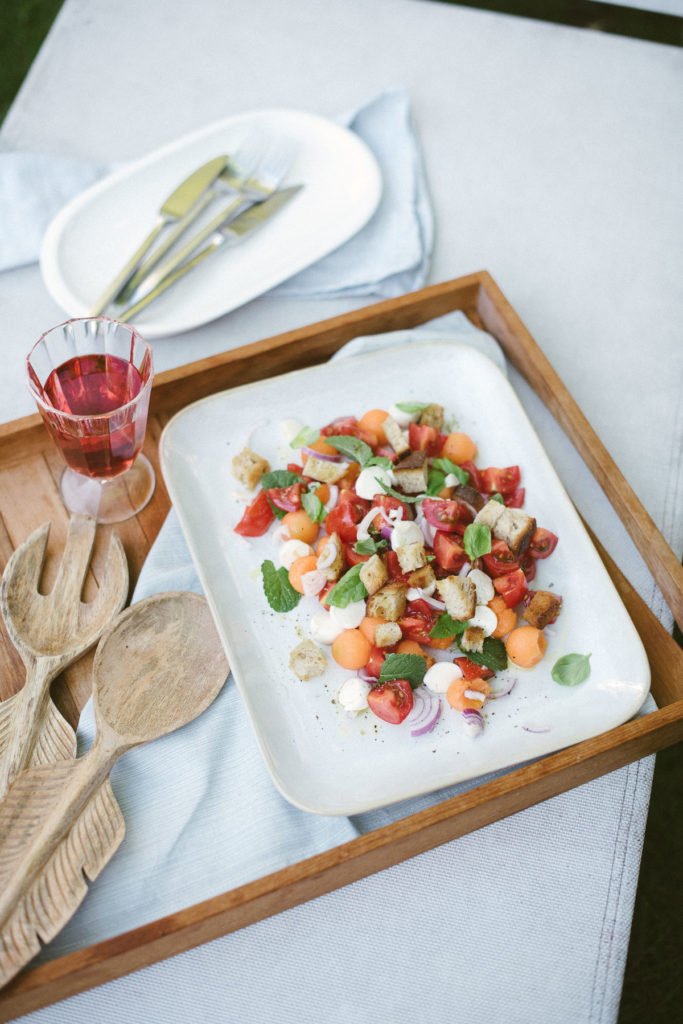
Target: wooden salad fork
50, 631
158, 666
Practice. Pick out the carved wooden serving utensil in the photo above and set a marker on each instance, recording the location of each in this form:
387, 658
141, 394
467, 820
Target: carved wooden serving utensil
51, 631
156, 668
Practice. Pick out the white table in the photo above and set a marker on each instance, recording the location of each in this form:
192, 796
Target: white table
553, 158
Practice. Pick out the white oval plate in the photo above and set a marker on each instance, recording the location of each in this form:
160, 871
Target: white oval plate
91, 238
321, 760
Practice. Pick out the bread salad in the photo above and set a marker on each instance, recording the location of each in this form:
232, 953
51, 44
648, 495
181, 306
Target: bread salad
421, 563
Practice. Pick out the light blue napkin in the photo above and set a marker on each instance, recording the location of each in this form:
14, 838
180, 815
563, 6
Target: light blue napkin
388, 257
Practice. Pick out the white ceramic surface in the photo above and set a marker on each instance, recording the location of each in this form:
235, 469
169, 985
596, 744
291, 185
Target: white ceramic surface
92, 237
320, 759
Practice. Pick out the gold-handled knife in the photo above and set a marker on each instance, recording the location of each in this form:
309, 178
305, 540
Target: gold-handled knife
174, 208
232, 233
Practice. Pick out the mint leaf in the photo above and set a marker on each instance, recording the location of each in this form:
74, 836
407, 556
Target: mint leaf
494, 655
281, 595
477, 540
353, 447
404, 666
350, 588
306, 436
409, 498
435, 482
380, 460
411, 407
445, 627
572, 669
370, 546
279, 478
497, 497
313, 507
447, 466
279, 513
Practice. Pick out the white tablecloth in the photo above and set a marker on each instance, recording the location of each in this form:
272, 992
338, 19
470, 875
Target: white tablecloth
552, 158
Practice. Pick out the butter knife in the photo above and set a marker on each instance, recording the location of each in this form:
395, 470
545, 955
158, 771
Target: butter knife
174, 208
230, 234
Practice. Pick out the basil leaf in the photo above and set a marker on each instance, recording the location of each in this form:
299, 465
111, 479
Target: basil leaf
445, 627
477, 540
409, 498
370, 546
497, 497
306, 436
411, 407
313, 507
281, 595
380, 460
353, 447
279, 513
436, 482
572, 669
494, 655
446, 466
404, 666
350, 588
279, 478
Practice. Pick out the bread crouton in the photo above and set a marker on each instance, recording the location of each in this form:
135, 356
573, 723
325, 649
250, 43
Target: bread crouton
411, 556
307, 660
432, 416
387, 634
472, 640
422, 578
388, 603
411, 473
543, 609
373, 574
515, 528
490, 514
459, 595
334, 570
248, 468
325, 472
395, 436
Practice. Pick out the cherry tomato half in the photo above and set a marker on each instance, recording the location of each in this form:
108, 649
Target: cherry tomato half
373, 666
257, 517
500, 481
528, 567
388, 502
352, 557
392, 702
450, 555
512, 587
500, 561
424, 439
543, 543
472, 671
394, 567
286, 498
516, 499
475, 474
345, 517
338, 427
446, 513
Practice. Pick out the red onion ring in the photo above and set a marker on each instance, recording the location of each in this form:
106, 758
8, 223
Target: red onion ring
327, 555
495, 694
313, 582
333, 498
474, 720
425, 712
434, 602
536, 729
311, 452
465, 569
386, 532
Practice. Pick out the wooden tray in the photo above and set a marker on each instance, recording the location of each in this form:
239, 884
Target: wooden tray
29, 471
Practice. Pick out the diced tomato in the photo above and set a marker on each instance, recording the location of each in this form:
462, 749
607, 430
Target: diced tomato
500, 481
516, 499
294, 468
286, 498
475, 474
352, 557
424, 439
528, 567
418, 622
543, 543
394, 567
392, 702
340, 426
374, 663
472, 671
388, 502
512, 587
257, 517
345, 517
446, 513
500, 561
450, 555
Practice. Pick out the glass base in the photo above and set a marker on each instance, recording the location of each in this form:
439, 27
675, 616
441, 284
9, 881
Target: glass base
109, 501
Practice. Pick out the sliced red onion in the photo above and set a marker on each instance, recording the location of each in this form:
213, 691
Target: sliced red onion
321, 455
503, 693
333, 498
425, 713
536, 728
395, 515
366, 677
428, 531
474, 721
433, 602
386, 531
328, 555
362, 532
465, 569
313, 582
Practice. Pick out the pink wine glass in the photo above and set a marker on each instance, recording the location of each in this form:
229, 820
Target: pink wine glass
91, 380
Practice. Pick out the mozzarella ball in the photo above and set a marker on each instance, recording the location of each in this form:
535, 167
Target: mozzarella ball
440, 676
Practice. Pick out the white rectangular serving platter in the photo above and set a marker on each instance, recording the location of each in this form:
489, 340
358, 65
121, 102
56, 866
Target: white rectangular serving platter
92, 236
320, 759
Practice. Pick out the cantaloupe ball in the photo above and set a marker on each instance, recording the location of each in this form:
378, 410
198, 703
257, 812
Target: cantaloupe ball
351, 649
459, 448
526, 646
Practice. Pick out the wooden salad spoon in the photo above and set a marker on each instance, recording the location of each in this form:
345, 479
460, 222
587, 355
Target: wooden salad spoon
158, 666
51, 631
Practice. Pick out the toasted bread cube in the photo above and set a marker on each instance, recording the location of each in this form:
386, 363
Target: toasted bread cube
411, 556
373, 574
516, 528
388, 634
422, 578
395, 436
325, 472
307, 660
333, 571
490, 514
459, 595
543, 609
472, 640
432, 416
248, 468
411, 473
388, 603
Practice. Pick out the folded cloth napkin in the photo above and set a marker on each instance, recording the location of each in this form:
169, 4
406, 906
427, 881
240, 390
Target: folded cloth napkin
388, 257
